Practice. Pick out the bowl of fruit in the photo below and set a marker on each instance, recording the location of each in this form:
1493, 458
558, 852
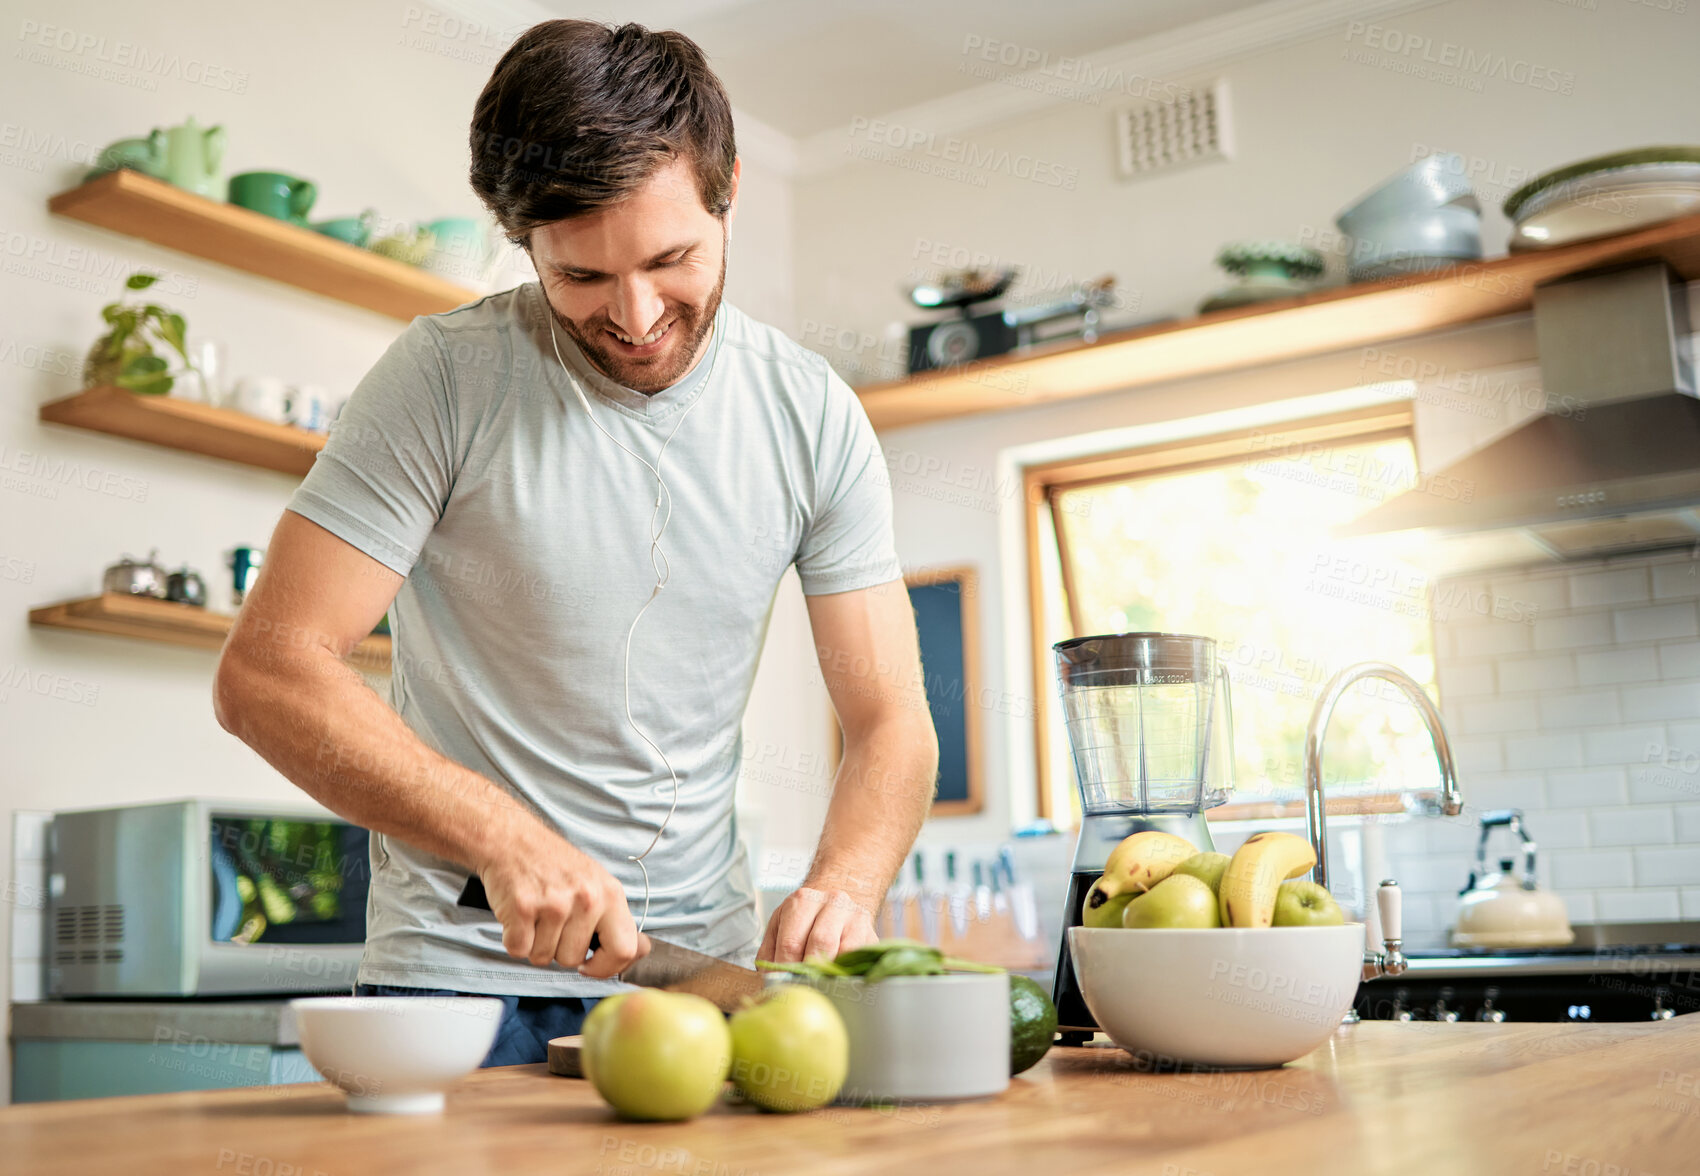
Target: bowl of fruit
1201, 959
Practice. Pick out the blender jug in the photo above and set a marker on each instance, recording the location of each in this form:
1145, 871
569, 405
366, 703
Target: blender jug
1150, 722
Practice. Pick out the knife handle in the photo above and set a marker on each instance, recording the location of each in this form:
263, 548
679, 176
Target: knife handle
472, 895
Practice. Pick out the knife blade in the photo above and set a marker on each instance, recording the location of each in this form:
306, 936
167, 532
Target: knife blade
667, 966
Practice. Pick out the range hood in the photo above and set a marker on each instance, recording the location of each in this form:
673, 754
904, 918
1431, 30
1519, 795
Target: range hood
1613, 466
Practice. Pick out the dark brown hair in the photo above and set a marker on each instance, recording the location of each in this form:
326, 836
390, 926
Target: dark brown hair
578, 115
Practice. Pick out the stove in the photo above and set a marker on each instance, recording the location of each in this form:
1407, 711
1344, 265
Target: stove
1612, 972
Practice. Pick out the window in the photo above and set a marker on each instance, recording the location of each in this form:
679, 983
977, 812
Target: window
1232, 538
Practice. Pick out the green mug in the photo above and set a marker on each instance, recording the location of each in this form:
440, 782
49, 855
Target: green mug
275, 194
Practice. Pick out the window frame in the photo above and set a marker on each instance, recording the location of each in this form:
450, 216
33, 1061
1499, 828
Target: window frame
1043, 483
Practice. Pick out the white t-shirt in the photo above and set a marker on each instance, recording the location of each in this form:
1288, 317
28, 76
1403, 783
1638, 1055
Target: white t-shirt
464, 461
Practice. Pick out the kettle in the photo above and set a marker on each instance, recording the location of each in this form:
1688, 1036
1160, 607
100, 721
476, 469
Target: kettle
1499, 909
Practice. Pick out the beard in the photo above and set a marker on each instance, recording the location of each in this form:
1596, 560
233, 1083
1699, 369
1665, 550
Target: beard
654, 373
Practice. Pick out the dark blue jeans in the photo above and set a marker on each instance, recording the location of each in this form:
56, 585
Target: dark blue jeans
528, 1022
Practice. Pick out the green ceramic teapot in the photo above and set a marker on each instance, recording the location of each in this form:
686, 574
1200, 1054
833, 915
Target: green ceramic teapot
192, 158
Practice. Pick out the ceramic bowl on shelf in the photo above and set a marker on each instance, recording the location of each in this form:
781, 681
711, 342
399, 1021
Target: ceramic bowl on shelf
396, 1055
1222, 997
1434, 181
1418, 241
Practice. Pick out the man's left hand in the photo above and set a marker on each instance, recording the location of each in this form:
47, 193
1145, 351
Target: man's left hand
812, 923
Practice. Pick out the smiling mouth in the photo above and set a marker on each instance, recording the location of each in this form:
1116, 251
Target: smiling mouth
648, 340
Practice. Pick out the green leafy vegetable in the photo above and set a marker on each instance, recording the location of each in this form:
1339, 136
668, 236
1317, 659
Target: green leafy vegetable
889, 957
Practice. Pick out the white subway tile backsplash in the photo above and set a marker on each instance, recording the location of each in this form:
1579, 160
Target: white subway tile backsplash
1676, 580
1593, 869
1616, 586
1492, 716
1679, 659
1579, 905
1586, 708
1638, 906
1551, 829
1458, 681
1623, 745
1588, 720
1490, 639
1593, 788
1574, 631
1657, 623
1552, 672
1485, 791
1434, 873
1555, 750
1478, 755
1667, 867
1612, 666
1661, 784
1633, 825
1538, 594
1680, 700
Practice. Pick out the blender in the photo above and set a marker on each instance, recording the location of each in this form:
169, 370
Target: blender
1151, 728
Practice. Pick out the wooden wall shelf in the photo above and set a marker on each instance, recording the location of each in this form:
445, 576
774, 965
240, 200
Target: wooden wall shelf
186, 425
1311, 324
136, 205
149, 619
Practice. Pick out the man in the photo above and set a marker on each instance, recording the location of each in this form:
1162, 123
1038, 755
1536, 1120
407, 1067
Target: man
513, 482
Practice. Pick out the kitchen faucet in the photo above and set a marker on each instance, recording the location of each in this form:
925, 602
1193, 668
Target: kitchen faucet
1390, 962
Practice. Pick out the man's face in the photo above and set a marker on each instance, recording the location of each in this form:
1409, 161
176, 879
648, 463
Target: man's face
637, 285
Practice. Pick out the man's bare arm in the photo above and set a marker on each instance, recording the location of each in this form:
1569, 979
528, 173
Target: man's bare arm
869, 655
283, 689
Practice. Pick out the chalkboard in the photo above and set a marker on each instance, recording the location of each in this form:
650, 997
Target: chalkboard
945, 601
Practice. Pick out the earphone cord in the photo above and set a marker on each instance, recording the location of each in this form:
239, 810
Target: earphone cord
657, 561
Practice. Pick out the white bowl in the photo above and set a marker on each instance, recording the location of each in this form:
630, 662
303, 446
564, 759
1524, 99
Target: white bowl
924, 1038
395, 1055
1228, 997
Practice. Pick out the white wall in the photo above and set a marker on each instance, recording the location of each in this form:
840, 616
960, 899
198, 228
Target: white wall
374, 108
1315, 126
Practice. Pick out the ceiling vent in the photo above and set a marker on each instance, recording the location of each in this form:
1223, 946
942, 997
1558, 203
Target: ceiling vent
1157, 137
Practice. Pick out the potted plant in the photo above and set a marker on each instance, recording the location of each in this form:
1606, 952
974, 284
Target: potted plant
125, 356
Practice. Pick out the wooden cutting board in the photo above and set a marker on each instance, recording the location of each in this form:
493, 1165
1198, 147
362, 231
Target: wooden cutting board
563, 1056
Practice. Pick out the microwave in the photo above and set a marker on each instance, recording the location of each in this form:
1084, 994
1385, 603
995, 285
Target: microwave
200, 897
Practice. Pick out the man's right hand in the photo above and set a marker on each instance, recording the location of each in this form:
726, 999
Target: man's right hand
551, 899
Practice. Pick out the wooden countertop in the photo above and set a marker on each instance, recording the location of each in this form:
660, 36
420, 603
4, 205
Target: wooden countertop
1381, 1098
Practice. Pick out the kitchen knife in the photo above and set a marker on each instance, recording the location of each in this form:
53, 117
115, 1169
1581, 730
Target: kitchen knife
668, 966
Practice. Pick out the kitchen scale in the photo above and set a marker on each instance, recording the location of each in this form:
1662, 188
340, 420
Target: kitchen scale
1151, 727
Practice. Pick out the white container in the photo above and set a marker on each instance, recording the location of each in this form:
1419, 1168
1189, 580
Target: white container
395, 1055
924, 1038
1223, 997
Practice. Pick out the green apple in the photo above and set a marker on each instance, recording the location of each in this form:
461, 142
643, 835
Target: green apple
1207, 867
656, 1055
1180, 900
789, 1049
1104, 910
1305, 904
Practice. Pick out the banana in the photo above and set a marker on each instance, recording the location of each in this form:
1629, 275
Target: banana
1133, 867
1247, 893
